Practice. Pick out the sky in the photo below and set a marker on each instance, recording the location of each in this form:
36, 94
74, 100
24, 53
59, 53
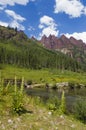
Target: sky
44, 17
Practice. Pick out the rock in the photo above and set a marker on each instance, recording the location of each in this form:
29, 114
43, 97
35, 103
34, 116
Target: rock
72, 126
62, 117
64, 45
56, 128
10, 121
18, 119
3, 126
15, 126
49, 113
62, 85
51, 85
41, 129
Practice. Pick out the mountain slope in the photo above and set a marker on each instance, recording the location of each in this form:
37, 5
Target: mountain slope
16, 48
74, 48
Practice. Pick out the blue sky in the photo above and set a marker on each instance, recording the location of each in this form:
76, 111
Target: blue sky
45, 17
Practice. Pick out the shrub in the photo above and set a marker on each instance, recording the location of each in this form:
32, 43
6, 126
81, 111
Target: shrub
17, 103
79, 109
53, 103
18, 99
37, 100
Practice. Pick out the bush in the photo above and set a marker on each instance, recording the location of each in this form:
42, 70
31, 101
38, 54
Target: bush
80, 109
37, 100
53, 103
17, 105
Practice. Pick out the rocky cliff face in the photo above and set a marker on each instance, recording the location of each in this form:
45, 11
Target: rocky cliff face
69, 46
49, 42
53, 42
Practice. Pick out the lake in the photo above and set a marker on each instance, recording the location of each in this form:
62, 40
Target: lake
70, 95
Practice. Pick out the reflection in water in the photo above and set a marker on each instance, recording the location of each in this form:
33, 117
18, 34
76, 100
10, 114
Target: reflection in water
46, 93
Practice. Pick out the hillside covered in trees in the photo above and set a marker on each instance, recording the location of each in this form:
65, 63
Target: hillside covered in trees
17, 49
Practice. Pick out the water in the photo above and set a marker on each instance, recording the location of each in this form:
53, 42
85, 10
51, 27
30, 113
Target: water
43, 92
70, 95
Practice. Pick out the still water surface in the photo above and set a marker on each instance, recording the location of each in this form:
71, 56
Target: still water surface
70, 95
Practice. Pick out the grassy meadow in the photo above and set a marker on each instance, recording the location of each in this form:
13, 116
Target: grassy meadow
43, 75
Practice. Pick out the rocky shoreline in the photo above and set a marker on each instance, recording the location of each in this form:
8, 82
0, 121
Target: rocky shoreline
59, 85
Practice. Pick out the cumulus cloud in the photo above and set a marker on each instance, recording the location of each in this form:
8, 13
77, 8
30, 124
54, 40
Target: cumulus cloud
78, 36
48, 26
13, 2
47, 20
15, 20
15, 16
15, 24
4, 3
4, 24
12, 24
74, 8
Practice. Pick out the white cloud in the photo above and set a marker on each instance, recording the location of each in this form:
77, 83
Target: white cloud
14, 15
48, 30
41, 26
15, 24
12, 24
4, 3
2, 7
13, 2
4, 24
74, 8
48, 26
30, 28
78, 36
14, 21
46, 20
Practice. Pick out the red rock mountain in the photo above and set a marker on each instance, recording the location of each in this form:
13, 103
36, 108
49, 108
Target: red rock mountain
53, 42
70, 46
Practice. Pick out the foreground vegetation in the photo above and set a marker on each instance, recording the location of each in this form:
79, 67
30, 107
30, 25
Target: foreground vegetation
19, 111
22, 112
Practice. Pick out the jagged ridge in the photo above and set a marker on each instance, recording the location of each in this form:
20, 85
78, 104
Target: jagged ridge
69, 46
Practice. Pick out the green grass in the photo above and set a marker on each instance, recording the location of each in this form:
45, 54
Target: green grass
37, 115
43, 75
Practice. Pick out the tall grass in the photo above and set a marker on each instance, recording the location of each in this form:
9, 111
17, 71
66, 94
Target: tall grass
17, 105
62, 108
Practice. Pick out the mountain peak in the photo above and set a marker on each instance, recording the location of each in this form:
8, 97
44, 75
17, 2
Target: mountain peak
69, 46
63, 37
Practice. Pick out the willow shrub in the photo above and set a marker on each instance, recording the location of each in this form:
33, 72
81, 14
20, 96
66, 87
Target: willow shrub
53, 103
79, 109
